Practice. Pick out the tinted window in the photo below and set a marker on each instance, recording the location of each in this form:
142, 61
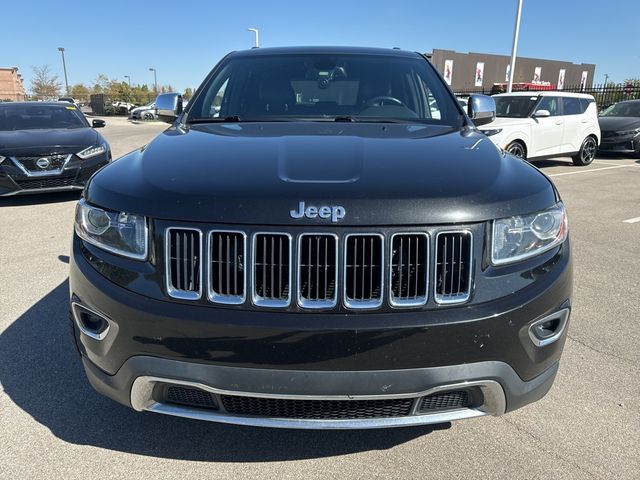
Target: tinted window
517, 106
622, 109
550, 103
325, 86
584, 102
572, 106
36, 116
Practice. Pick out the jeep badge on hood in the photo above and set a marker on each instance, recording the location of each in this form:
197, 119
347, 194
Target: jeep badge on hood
335, 212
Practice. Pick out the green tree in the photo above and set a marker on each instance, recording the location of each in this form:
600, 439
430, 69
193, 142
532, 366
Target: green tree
44, 84
100, 84
80, 92
188, 93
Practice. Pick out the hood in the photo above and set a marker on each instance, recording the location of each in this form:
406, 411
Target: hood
381, 174
617, 124
502, 122
26, 142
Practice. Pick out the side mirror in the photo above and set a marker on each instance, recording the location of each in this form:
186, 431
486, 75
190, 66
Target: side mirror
169, 106
481, 109
97, 123
542, 113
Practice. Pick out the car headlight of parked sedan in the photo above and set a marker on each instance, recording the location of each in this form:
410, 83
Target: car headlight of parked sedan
92, 151
629, 132
495, 131
116, 232
525, 236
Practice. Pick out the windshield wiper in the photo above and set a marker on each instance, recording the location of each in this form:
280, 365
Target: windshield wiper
229, 119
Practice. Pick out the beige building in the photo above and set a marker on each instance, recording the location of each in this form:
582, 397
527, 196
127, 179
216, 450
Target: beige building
11, 86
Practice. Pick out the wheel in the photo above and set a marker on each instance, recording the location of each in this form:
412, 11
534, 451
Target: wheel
148, 116
587, 152
517, 149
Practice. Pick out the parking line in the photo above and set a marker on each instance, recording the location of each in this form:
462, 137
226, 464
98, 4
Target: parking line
632, 220
589, 171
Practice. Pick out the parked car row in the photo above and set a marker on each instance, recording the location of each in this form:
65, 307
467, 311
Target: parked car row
546, 124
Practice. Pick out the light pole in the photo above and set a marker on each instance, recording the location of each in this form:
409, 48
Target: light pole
255, 30
606, 78
64, 67
155, 79
128, 80
514, 48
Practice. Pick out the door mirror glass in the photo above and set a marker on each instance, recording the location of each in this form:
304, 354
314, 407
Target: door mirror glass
482, 109
97, 123
169, 106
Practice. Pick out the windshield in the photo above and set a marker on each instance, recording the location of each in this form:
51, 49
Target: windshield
515, 106
344, 87
33, 117
623, 109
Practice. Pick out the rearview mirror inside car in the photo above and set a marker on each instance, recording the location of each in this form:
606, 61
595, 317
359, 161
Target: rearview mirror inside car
97, 123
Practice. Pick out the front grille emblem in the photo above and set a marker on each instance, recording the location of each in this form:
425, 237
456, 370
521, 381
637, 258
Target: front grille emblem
334, 212
43, 163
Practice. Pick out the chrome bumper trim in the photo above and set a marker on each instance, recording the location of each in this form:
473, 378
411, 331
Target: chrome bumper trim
32, 191
493, 394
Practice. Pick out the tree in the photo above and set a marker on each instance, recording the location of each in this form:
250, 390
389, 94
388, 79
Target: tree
188, 93
100, 84
44, 84
81, 92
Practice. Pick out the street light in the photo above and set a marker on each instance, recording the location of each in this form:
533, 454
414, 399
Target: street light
155, 79
606, 78
516, 32
255, 30
128, 80
64, 67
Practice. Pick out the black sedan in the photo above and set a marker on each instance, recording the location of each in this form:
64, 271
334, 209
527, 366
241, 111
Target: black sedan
620, 127
48, 147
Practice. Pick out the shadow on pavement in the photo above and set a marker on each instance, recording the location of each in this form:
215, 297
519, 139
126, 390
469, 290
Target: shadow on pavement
40, 198
41, 373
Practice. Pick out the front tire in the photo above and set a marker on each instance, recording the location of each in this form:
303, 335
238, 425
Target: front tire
587, 152
517, 149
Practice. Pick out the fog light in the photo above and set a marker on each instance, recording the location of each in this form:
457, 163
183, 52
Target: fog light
90, 323
548, 329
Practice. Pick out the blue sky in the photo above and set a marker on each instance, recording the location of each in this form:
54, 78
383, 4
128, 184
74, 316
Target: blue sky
184, 40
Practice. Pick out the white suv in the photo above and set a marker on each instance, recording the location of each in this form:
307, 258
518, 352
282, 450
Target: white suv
537, 125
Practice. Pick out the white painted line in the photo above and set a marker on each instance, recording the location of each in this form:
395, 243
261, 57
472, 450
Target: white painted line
589, 171
632, 220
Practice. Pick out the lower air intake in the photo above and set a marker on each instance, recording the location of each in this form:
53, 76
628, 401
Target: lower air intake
445, 401
191, 397
316, 409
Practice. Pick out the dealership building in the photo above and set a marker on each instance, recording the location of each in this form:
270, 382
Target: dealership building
11, 86
475, 71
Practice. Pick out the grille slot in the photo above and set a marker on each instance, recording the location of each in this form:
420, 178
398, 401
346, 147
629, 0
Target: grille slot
317, 270
271, 273
54, 182
363, 264
227, 267
445, 401
408, 270
316, 409
184, 263
192, 397
453, 266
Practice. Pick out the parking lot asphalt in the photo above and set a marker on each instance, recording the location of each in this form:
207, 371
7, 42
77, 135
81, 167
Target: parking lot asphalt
53, 425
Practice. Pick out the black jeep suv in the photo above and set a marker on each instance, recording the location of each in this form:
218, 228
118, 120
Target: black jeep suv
322, 239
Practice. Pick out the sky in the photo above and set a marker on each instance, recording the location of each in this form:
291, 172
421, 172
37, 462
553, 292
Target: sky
184, 40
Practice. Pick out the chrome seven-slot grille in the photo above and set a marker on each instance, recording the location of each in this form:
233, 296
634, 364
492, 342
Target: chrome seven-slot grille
276, 270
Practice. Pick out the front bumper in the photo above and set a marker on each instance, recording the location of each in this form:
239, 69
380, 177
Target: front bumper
485, 346
74, 176
620, 144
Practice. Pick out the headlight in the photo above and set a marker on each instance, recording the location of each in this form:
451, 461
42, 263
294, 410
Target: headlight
488, 133
116, 232
521, 237
629, 132
92, 151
